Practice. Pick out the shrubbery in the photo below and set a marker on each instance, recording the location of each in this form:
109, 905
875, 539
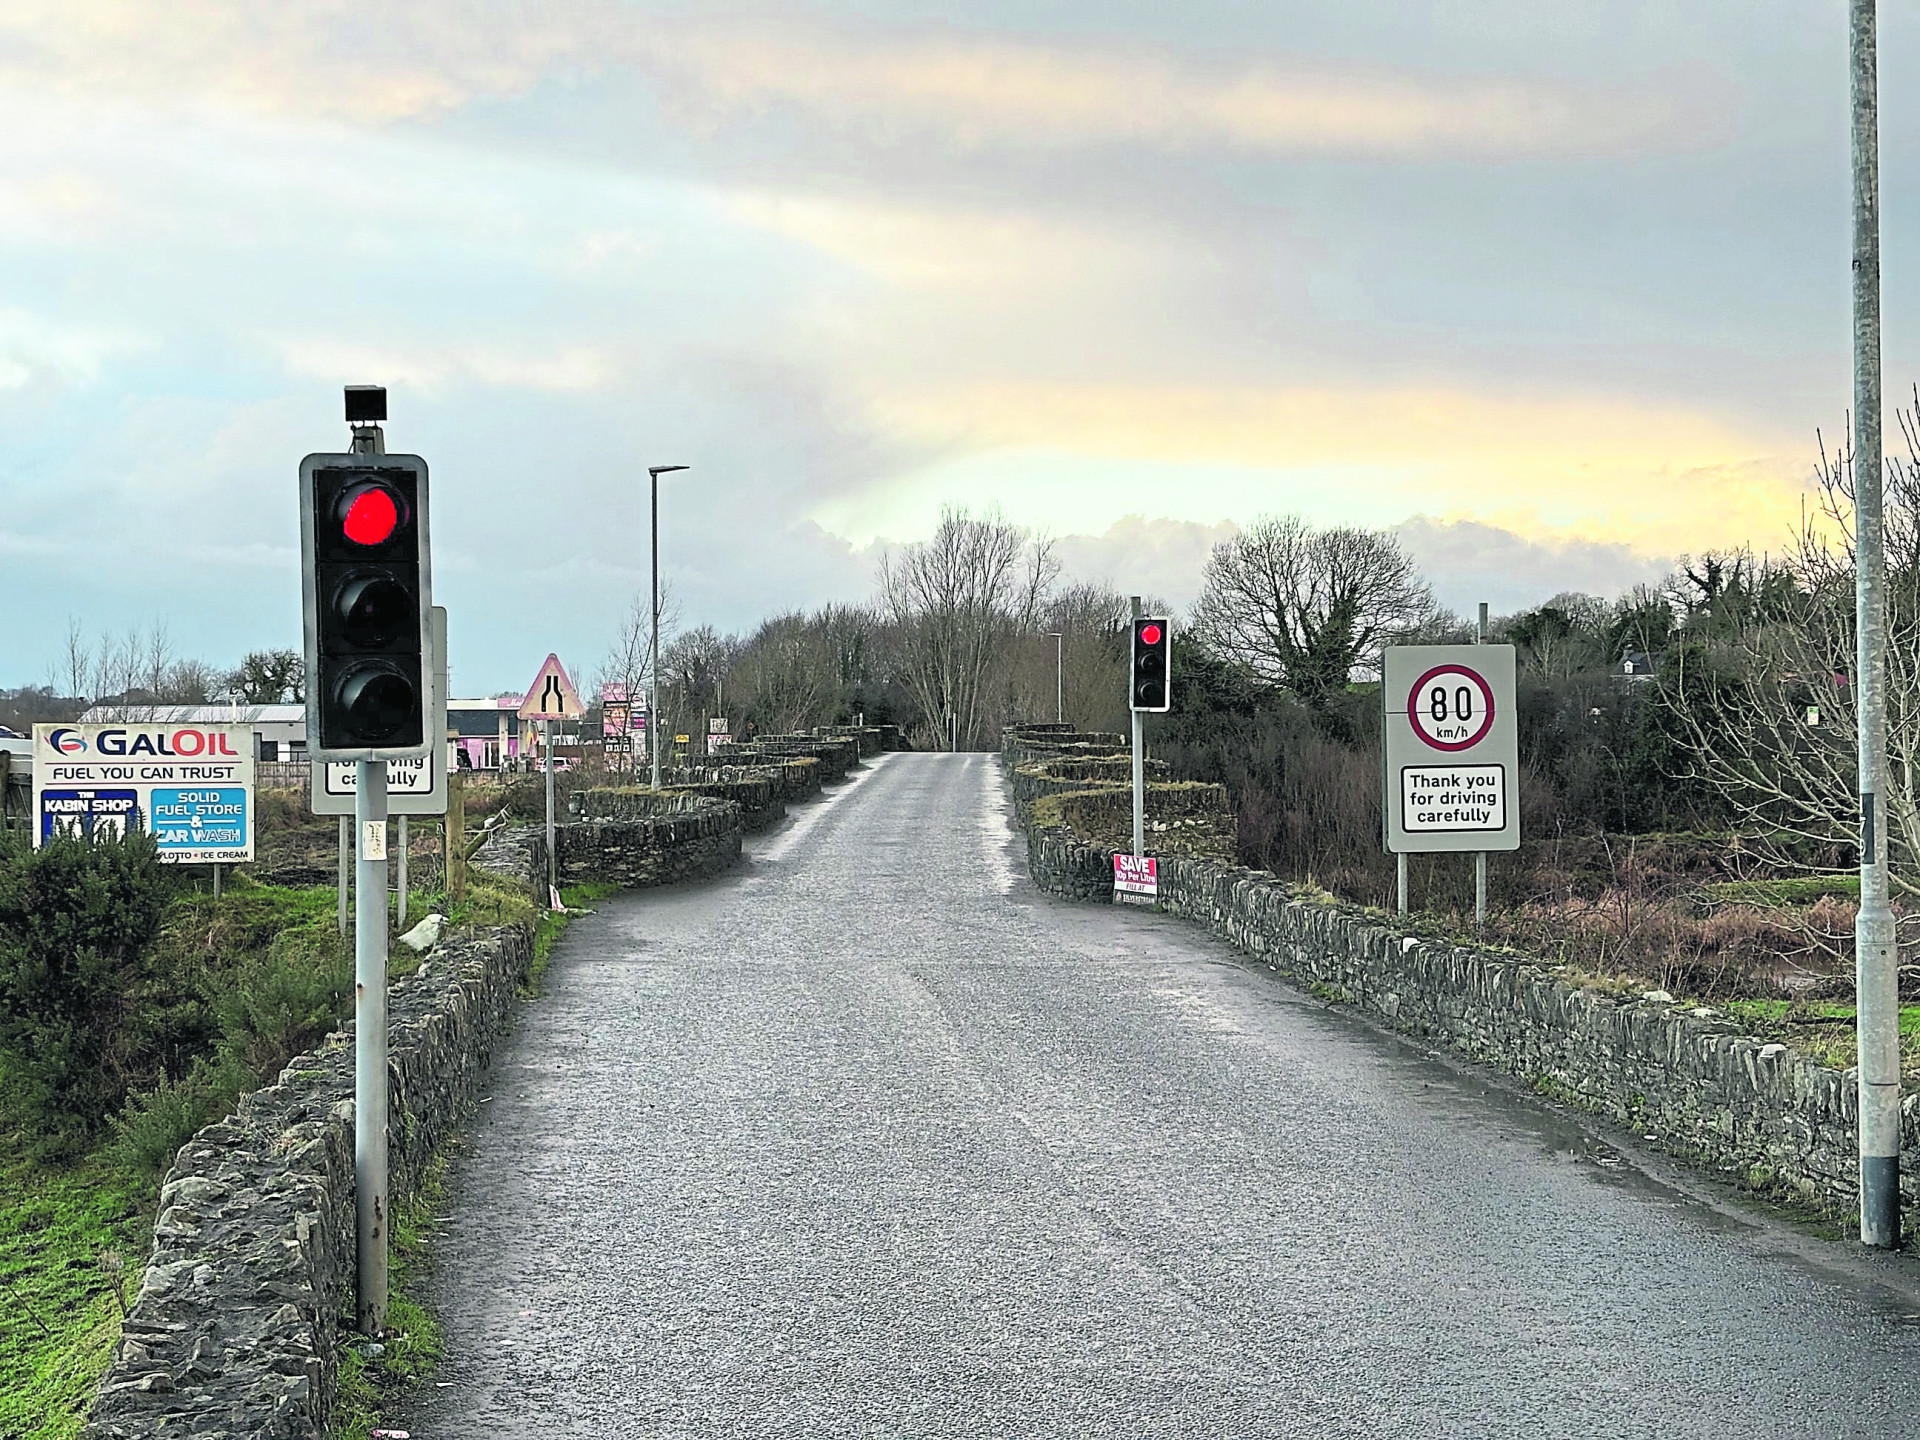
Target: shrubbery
83, 1013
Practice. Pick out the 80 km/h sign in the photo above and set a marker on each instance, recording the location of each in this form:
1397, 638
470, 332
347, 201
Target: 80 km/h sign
1451, 749
1451, 707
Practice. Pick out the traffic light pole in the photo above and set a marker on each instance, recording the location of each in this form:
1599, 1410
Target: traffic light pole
370, 1046
1139, 770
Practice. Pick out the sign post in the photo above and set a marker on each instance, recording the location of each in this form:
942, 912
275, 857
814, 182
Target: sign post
188, 786
1451, 753
551, 697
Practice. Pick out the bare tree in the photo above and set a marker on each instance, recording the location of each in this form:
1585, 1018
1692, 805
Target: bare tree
784, 677
1763, 690
1308, 608
629, 660
954, 602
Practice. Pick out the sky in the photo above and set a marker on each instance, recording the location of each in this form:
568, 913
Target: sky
1557, 293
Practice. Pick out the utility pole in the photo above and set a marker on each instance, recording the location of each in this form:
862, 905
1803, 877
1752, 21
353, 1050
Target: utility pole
654, 472
1876, 956
1139, 765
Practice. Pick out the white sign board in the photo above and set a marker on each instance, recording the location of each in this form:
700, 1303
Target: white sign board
414, 787
1136, 875
1451, 747
188, 786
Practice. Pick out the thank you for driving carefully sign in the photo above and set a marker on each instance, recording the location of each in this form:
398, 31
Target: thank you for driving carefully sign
189, 786
1452, 749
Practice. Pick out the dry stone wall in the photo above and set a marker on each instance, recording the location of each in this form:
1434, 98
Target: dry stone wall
234, 1332
671, 837
1685, 1076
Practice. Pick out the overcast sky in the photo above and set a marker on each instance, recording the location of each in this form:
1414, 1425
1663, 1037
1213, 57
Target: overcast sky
1560, 291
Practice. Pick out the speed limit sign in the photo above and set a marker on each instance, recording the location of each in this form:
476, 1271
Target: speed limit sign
1451, 748
1451, 707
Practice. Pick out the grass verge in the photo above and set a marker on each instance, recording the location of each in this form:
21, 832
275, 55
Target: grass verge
70, 1238
370, 1382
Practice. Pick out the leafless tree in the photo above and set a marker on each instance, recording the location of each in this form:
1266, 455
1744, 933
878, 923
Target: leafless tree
629, 660
1308, 608
1766, 698
784, 678
953, 603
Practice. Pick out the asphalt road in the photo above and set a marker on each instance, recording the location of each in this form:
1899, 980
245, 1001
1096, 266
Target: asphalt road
869, 1138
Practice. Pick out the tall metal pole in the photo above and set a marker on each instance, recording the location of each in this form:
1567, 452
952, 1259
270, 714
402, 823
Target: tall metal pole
1139, 769
653, 664
1480, 856
1060, 677
345, 825
553, 860
370, 1045
400, 880
1875, 954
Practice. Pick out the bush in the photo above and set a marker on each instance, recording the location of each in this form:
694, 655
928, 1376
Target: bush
76, 1004
285, 999
153, 1127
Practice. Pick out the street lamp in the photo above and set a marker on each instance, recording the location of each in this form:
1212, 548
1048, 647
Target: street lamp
654, 472
1060, 675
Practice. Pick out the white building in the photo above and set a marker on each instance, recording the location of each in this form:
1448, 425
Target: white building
279, 731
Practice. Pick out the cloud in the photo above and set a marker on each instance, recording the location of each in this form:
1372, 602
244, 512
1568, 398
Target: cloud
972, 90
1146, 556
1668, 477
34, 346
1468, 561
435, 367
981, 91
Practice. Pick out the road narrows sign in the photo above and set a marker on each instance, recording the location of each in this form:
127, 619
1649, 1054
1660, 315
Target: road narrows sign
552, 696
1451, 749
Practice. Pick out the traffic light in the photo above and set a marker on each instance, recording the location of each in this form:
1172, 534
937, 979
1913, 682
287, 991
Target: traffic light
1152, 664
367, 585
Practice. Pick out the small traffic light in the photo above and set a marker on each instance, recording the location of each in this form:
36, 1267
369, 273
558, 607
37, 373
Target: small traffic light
1152, 664
367, 587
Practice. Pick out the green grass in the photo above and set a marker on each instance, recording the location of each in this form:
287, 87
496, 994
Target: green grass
1779, 894
56, 1222
413, 1344
55, 1227
1823, 1031
552, 924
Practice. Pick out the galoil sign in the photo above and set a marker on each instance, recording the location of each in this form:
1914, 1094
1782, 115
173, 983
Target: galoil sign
188, 786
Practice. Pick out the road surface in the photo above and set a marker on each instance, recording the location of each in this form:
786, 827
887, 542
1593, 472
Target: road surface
869, 1138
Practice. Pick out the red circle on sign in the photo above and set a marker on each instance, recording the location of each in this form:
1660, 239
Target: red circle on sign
1451, 717
371, 518
1149, 634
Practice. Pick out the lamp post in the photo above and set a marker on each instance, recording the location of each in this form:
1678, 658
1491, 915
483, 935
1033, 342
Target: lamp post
654, 472
1060, 675
1876, 952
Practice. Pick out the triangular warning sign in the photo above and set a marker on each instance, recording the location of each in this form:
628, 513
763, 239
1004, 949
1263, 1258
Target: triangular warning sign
552, 696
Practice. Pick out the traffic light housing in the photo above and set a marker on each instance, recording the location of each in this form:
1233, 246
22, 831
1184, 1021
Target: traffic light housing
367, 585
1152, 669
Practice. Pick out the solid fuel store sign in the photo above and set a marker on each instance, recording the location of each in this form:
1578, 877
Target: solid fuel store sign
1452, 750
188, 786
